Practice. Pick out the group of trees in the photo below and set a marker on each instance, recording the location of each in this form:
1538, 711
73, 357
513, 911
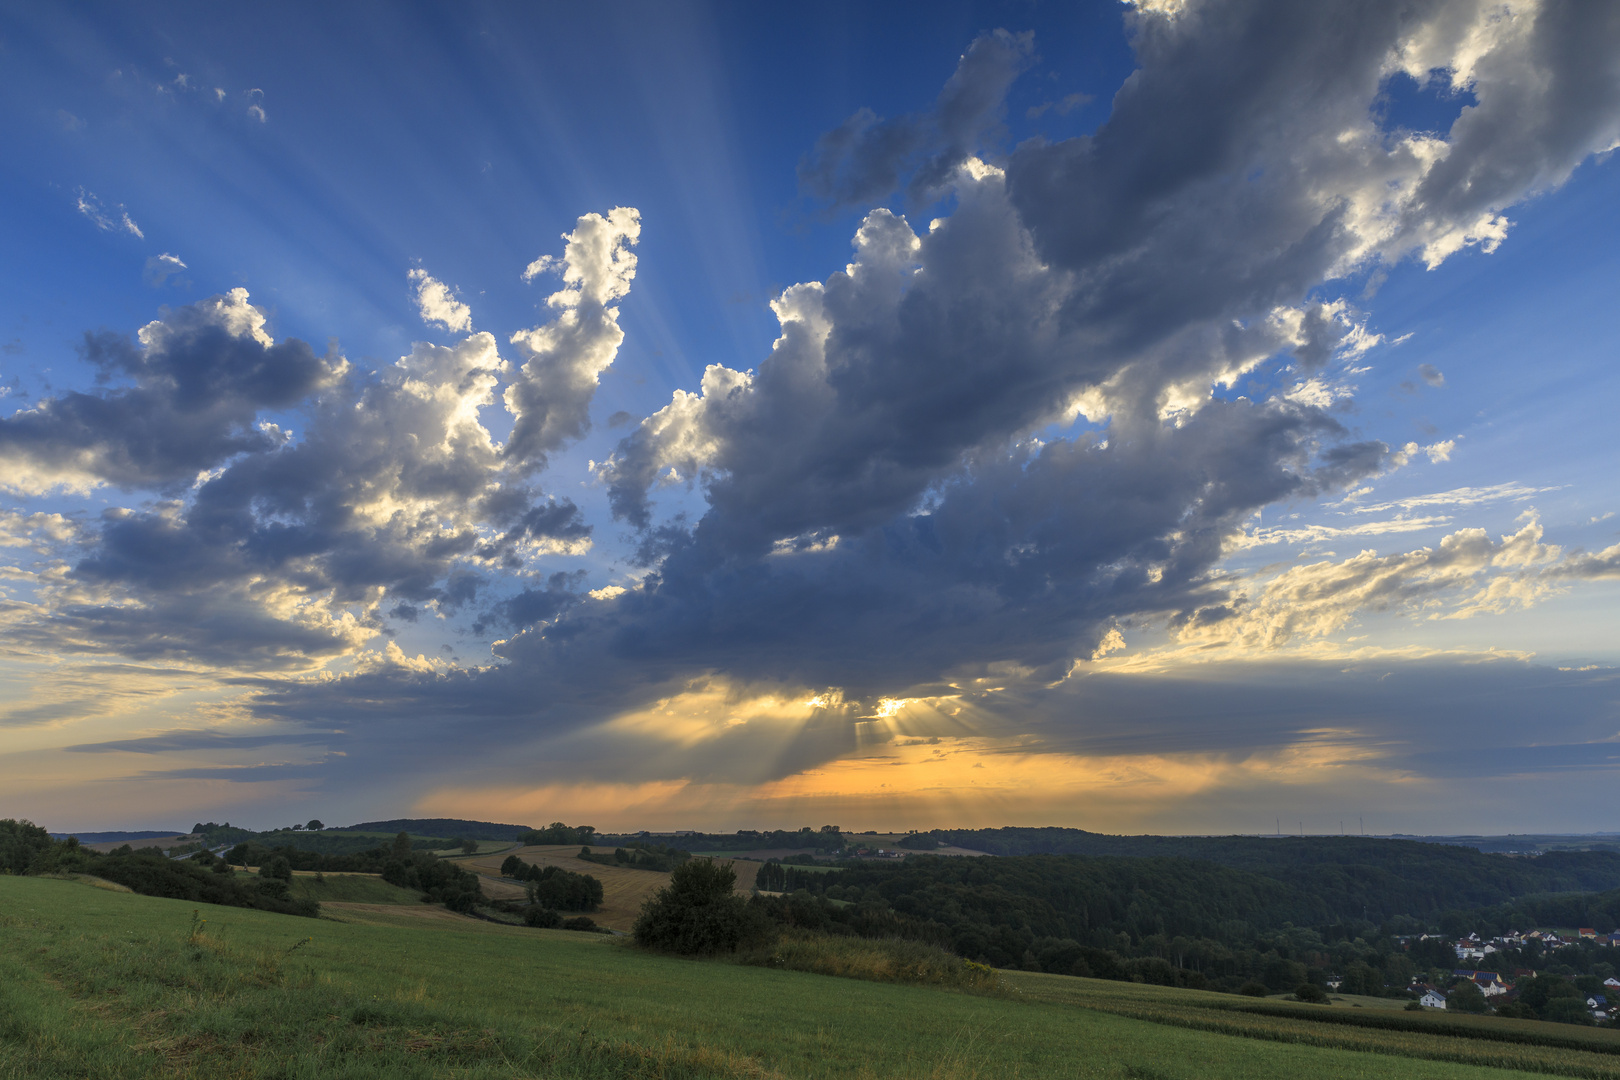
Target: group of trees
828, 839
699, 913
553, 887
21, 842
558, 833
776, 876
400, 863
639, 855
25, 848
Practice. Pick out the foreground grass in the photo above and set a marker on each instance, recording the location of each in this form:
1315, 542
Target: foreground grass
103, 984
1529, 1045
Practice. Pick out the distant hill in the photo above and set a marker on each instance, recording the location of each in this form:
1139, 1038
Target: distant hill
450, 827
118, 837
1370, 877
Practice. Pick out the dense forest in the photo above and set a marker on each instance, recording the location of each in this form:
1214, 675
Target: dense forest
1360, 877
1190, 922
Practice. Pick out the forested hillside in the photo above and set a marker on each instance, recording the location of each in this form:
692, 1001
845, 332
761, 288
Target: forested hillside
1182, 921
1355, 876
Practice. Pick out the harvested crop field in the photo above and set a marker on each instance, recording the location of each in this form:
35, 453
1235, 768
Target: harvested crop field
623, 890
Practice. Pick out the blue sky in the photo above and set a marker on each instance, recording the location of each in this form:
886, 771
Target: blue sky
1209, 425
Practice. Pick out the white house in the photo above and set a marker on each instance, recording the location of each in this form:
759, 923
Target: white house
1432, 999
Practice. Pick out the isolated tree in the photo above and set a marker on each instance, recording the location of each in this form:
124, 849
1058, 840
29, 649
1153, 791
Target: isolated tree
277, 867
469, 846
314, 825
1311, 992
21, 842
1567, 1010
698, 913
1466, 997
402, 846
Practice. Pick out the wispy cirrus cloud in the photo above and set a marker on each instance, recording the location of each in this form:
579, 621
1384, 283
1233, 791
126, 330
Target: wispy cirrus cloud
115, 220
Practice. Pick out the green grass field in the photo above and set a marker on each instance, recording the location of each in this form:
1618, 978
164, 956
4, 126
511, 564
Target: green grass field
352, 889
96, 983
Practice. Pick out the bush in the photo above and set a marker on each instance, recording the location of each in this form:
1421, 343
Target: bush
1254, 989
273, 887
1466, 997
698, 914
580, 922
1567, 1010
885, 960
1413, 1006
1310, 992
542, 917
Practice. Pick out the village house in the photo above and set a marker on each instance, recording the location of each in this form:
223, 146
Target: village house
1432, 999
1490, 983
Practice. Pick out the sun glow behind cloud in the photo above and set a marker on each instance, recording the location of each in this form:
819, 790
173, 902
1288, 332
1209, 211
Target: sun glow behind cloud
1108, 475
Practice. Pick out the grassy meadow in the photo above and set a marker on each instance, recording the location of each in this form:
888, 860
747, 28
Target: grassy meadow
97, 983
350, 888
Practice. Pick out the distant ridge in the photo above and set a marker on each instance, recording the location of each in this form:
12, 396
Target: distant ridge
446, 827
109, 837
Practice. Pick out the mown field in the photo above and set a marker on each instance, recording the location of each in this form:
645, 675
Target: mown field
350, 888
96, 983
624, 890
1529, 1045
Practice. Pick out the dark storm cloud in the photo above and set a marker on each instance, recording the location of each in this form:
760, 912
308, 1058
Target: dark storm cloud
200, 377
879, 512
984, 442
864, 158
1242, 172
188, 740
395, 489
248, 774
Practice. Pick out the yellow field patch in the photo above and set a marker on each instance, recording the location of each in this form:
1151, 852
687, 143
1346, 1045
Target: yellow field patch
623, 890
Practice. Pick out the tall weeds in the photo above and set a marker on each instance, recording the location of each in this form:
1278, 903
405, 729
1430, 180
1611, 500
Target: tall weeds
889, 960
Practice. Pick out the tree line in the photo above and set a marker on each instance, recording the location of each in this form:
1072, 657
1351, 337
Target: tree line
553, 888
1356, 876
25, 848
828, 838
1171, 921
639, 855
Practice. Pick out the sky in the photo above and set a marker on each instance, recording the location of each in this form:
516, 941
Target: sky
1180, 417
